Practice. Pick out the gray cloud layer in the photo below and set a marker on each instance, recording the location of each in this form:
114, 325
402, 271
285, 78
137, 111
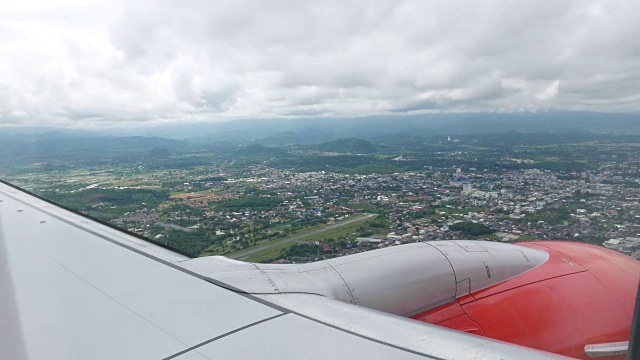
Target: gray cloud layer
169, 60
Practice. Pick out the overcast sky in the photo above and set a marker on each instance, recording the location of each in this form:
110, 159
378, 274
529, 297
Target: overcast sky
79, 62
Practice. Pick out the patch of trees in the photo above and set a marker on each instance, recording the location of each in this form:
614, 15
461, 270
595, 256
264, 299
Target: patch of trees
303, 250
378, 223
191, 242
471, 229
552, 216
424, 213
82, 200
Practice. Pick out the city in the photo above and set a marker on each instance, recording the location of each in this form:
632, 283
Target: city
280, 207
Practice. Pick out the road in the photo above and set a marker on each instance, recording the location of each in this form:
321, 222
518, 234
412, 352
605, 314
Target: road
244, 253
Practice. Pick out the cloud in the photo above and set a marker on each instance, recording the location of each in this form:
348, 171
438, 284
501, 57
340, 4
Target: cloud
550, 92
108, 62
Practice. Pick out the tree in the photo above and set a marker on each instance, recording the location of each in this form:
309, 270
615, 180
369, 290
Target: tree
471, 229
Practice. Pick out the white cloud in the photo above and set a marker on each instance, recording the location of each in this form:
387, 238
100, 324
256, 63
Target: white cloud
74, 62
550, 92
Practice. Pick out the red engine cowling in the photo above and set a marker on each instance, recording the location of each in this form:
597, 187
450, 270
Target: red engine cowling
582, 295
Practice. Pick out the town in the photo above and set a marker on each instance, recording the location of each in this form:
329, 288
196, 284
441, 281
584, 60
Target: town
257, 209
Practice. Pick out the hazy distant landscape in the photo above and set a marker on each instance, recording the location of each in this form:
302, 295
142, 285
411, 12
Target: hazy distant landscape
301, 190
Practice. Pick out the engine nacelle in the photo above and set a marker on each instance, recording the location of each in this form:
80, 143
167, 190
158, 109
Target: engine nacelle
402, 280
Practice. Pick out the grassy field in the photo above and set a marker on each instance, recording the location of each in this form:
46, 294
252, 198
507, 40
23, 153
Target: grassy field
274, 248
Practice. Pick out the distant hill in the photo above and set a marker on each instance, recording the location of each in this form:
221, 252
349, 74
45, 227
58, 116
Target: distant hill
348, 145
259, 150
314, 130
159, 153
551, 121
64, 146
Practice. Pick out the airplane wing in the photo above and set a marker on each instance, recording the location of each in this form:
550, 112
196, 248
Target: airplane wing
75, 288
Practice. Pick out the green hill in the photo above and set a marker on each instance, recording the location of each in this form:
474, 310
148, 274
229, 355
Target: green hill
348, 145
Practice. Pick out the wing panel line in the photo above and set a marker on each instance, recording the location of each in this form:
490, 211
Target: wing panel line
222, 336
367, 337
119, 303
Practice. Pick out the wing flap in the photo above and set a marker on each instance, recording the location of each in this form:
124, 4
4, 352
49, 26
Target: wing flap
295, 337
412, 336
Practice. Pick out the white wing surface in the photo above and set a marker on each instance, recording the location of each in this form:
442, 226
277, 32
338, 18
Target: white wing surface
74, 288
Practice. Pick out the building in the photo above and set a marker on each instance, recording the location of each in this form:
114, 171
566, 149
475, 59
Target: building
613, 244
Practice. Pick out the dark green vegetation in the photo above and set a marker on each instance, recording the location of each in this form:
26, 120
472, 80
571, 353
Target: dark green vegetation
471, 229
192, 242
108, 204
